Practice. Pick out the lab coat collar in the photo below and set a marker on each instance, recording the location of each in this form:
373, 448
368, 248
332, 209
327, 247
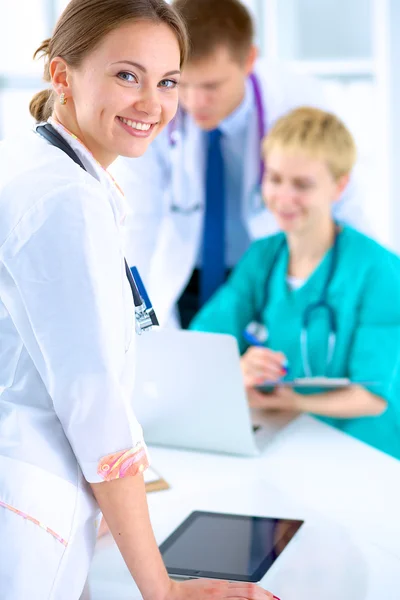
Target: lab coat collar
238, 119
95, 169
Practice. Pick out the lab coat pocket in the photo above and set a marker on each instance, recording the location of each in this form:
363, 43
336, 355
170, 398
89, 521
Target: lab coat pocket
48, 501
49, 515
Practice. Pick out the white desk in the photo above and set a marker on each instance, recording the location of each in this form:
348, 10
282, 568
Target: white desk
348, 493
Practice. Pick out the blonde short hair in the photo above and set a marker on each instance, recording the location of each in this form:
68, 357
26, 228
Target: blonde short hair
318, 134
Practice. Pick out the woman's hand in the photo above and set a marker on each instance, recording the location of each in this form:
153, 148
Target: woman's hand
211, 589
262, 364
283, 398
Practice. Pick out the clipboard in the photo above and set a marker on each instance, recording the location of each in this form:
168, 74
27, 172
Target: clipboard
154, 482
320, 383
325, 383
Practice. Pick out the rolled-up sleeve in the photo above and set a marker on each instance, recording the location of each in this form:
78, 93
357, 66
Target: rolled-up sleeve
69, 299
375, 352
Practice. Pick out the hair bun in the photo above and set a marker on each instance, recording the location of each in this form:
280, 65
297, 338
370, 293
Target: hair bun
40, 106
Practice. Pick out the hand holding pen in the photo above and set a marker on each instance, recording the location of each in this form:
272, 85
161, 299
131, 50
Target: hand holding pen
260, 364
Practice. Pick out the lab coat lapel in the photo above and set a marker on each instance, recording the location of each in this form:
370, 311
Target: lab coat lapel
116, 196
179, 238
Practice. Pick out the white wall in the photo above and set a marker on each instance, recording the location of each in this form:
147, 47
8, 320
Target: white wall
324, 29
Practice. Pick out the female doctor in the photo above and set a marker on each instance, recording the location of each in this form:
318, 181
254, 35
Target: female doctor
319, 299
69, 442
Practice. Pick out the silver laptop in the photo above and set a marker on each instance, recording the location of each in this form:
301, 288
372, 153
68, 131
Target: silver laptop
189, 393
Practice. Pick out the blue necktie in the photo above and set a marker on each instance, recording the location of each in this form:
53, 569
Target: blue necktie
213, 257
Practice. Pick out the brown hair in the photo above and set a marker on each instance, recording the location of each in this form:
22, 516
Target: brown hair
82, 26
316, 133
215, 23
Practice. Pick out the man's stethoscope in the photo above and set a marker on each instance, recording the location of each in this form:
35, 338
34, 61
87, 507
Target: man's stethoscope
256, 333
179, 121
144, 313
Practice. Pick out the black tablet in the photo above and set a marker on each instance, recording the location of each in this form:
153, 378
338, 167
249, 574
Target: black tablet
223, 546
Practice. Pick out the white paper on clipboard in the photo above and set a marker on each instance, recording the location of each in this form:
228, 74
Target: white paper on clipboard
151, 476
153, 480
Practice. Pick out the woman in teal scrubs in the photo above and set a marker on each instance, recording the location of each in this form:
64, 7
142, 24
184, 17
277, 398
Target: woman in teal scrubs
327, 297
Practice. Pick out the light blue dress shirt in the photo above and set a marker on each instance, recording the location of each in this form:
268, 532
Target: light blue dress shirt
235, 129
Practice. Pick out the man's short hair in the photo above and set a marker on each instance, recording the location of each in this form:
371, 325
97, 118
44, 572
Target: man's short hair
315, 133
215, 23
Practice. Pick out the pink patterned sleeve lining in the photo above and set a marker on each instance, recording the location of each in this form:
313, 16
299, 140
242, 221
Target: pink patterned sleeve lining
125, 463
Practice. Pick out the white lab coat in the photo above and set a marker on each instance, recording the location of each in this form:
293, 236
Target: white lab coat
66, 363
164, 244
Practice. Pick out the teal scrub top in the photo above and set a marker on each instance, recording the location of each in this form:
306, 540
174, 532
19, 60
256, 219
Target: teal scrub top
364, 293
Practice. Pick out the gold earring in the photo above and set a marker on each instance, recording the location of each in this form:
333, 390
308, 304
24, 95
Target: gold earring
63, 99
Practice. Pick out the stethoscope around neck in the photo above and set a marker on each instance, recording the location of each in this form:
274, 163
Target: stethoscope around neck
145, 316
321, 305
179, 122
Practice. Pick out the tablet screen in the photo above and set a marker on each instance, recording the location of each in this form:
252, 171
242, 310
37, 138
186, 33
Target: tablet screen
235, 547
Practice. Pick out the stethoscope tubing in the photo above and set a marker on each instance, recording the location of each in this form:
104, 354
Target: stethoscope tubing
321, 304
179, 121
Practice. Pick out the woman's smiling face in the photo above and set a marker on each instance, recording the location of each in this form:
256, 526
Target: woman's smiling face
124, 92
300, 190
